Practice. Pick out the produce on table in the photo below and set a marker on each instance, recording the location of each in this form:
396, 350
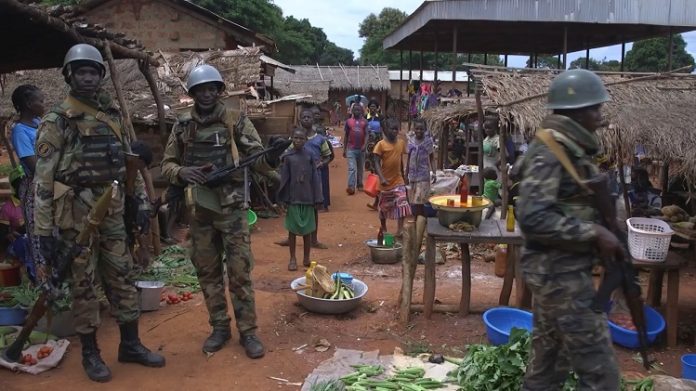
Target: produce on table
675, 214
623, 320
29, 360
462, 227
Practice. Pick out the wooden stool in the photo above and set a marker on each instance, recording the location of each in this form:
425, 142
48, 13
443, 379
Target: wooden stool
671, 265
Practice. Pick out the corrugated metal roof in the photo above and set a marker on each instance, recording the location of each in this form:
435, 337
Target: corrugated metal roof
593, 16
394, 75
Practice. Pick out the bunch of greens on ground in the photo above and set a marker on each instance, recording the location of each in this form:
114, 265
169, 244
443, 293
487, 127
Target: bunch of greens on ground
22, 295
327, 385
174, 268
405, 379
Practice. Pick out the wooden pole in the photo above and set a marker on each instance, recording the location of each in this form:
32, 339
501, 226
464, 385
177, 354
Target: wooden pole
670, 50
565, 47
587, 58
622, 175
401, 82
503, 171
408, 271
479, 109
436, 65
161, 116
623, 55
410, 78
115, 79
506, 61
468, 77
558, 63
420, 65
454, 52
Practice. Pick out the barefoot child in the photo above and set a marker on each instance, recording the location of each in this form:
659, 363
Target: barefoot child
388, 159
300, 189
491, 186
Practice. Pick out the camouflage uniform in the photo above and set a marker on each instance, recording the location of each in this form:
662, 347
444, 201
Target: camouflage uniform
557, 219
197, 141
78, 158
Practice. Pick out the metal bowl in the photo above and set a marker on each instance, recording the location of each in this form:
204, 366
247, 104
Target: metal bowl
468, 213
384, 254
328, 306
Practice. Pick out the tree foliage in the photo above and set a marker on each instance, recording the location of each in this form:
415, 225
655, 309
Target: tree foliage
596, 65
544, 61
374, 28
650, 55
298, 42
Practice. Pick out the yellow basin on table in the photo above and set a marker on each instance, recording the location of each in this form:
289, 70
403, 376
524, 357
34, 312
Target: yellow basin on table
471, 212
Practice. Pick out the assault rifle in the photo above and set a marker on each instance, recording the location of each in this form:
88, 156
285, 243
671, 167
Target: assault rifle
60, 266
618, 273
135, 164
223, 175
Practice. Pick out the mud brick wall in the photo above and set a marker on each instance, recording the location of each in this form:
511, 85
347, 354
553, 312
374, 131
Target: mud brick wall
160, 25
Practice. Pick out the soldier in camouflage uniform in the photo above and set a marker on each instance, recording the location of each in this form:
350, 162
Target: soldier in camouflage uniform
564, 241
205, 138
81, 149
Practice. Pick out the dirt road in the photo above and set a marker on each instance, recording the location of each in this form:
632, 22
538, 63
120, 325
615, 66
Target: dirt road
178, 331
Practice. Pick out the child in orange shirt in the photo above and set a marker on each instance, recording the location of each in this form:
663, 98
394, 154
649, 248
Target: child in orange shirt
389, 166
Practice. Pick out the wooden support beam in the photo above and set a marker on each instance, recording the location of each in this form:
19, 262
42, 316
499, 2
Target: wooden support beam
479, 109
408, 271
116, 81
401, 82
587, 58
565, 47
161, 115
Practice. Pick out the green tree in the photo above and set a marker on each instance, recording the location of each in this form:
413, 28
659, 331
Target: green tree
545, 61
596, 65
650, 55
259, 15
374, 28
333, 55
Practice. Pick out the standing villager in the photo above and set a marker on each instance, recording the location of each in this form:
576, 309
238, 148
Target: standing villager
81, 148
374, 135
300, 189
354, 148
205, 138
389, 164
320, 129
563, 241
28, 100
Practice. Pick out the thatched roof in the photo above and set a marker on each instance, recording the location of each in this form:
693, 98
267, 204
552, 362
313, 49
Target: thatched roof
318, 80
238, 67
654, 111
438, 117
36, 37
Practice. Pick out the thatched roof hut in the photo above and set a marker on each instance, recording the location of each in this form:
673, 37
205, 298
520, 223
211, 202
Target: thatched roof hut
239, 68
326, 83
655, 111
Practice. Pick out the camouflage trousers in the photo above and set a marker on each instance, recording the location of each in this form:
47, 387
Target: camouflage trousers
111, 262
568, 334
213, 236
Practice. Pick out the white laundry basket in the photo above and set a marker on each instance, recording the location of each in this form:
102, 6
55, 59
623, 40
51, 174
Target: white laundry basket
648, 239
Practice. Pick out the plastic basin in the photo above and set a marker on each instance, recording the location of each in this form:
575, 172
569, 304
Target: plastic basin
328, 306
689, 366
500, 320
654, 325
251, 218
12, 316
429, 211
384, 254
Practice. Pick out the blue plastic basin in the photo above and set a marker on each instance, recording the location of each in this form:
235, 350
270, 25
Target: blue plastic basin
654, 325
429, 211
689, 366
500, 320
12, 316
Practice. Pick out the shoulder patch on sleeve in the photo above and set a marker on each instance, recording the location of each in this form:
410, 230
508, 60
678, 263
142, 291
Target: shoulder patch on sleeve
44, 149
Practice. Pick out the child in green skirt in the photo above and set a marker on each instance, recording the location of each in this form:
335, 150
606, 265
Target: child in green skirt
300, 189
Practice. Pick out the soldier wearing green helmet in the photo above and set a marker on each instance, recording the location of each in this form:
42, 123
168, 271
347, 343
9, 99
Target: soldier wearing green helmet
80, 149
563, 240
207, 137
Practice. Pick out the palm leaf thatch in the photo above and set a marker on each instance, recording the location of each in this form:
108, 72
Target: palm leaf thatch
318, 80
656, 112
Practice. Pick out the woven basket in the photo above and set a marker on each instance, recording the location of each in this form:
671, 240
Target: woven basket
322, 282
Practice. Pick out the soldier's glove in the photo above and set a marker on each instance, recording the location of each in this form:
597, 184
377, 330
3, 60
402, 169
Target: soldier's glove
609, 246
47, 248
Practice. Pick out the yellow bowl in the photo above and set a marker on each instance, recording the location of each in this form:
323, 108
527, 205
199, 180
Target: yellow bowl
440, 203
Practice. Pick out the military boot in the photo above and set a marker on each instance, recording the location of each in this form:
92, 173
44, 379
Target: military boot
94, 366
252, 345
217, 339
132, 350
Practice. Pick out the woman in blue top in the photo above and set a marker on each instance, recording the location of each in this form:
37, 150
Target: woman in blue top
28, 100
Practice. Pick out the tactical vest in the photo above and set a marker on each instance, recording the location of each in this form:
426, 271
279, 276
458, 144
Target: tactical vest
210, 145
93, 156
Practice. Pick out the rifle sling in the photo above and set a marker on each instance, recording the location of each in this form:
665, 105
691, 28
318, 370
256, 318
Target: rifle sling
556, 149
99, 115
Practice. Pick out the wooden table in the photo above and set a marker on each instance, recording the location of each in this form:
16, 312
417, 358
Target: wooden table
671, 265
490, 231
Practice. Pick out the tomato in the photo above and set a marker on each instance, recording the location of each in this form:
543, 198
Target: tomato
34, 361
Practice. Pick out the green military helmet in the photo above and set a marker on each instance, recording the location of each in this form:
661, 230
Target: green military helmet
204, 74
83, 52
575, 89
